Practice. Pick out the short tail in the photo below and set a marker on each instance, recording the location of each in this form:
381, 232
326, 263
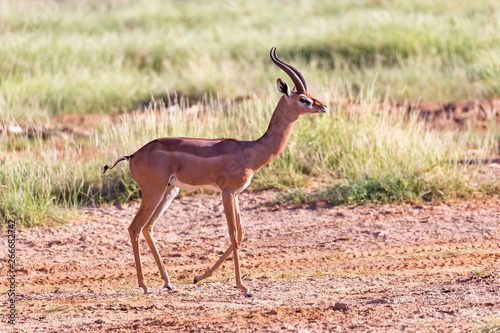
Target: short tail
118, 160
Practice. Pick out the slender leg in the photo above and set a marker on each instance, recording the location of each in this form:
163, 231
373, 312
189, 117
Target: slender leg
241, 235
148, 205
168, 196
228, 199
230, 208
239, 284
241, 231
212, 269
219, 262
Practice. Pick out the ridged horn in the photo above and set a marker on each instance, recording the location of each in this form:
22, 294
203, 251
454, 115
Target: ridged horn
297, 77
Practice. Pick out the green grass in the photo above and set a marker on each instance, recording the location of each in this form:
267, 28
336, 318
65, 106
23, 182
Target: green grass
59, 308
361, 154
89, 57
108, 57
481, 273
489, 325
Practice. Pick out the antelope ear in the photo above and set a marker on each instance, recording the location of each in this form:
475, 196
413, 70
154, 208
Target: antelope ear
283, 87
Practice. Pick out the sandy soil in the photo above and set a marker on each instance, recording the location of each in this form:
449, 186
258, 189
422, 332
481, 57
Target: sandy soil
415, 268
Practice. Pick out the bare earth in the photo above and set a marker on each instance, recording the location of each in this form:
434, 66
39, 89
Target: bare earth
415, 268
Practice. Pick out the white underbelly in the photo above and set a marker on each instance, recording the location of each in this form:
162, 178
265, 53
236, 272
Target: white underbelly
174, 181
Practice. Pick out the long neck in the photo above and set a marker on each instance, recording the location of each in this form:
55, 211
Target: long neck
265, 149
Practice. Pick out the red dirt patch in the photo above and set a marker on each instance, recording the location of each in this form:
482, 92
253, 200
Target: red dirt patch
479, 113
430, 267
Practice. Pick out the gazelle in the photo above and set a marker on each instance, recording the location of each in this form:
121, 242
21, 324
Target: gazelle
165, 165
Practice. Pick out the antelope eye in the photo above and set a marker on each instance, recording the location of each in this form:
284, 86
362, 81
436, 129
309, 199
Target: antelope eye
305, 100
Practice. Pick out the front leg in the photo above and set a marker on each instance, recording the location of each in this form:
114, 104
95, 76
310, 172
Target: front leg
230, 209
234, 225
212, 269
239, 227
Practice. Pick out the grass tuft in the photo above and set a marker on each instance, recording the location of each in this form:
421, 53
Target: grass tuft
490, 325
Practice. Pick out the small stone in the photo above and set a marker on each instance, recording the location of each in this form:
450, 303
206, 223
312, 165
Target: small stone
340, 307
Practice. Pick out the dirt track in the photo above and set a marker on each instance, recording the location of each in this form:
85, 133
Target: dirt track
389, 268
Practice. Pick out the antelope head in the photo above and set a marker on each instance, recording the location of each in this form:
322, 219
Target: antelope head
298, 99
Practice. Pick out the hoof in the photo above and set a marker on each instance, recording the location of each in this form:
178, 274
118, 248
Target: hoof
197, 278
169, 287
249, 295
146, 291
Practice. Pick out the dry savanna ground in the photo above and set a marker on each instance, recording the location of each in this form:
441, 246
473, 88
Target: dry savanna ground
391, 268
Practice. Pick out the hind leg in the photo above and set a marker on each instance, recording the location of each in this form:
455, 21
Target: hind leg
168, 196
149, 203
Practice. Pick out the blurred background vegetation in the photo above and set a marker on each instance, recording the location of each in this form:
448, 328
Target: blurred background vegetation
113, 57
105, 56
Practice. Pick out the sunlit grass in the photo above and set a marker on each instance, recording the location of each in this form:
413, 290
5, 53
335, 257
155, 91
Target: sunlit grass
108, 56
361, 154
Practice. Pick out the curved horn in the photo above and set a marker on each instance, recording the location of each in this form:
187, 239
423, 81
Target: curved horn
296, 70
294, 74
